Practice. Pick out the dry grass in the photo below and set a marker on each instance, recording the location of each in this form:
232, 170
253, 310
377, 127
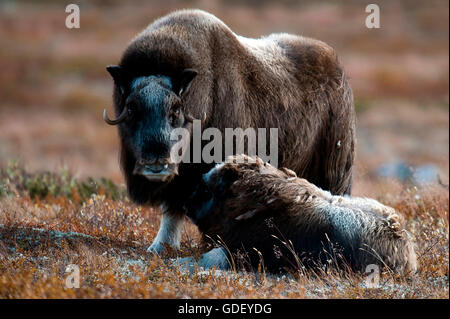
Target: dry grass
43, 233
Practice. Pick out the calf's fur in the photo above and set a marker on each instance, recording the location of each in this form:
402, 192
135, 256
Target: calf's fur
252, 207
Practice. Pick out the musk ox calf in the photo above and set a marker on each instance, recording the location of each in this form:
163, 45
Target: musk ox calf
189, 65
263, 212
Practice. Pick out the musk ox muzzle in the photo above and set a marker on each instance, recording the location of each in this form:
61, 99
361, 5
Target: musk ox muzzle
156, 169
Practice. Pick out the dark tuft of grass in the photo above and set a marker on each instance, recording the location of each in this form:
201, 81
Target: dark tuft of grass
16, 181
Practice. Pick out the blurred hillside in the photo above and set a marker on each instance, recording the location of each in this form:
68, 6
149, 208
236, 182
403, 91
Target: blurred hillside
53, 83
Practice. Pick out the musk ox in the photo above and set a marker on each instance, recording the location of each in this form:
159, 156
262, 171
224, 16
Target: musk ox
190, 65
252, 207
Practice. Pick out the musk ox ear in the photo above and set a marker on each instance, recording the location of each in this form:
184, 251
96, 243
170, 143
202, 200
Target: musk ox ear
185, 80
119, 76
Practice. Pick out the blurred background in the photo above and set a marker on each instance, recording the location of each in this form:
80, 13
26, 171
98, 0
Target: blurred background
53, 83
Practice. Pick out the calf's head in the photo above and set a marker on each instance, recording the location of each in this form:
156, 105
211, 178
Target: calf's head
217, 200
243, 188
205, 206
149, 108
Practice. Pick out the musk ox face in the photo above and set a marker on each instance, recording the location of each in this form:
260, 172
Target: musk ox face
152, 107
154, 110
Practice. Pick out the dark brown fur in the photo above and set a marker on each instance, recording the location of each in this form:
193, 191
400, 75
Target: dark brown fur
283, 81
244, 205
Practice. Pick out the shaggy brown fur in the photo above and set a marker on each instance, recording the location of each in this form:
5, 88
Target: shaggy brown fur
289, 82
246, 203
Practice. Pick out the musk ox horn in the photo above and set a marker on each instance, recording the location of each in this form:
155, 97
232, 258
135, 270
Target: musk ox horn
121, 117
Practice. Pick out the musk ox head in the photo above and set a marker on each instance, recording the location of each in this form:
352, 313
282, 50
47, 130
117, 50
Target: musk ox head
149, 108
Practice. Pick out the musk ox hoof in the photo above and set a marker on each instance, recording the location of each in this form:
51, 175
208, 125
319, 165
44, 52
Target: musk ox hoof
158, 248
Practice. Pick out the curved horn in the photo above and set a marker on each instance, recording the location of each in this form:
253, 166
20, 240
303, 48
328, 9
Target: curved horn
121, 117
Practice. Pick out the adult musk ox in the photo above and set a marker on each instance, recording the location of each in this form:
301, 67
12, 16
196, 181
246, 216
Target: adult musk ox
190, 65
247, 205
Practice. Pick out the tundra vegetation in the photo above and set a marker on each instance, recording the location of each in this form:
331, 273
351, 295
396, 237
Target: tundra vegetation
52, 220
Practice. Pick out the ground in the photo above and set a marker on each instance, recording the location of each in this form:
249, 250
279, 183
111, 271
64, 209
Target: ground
93, 226
62, 195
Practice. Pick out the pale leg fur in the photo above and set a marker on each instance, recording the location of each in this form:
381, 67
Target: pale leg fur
169, 232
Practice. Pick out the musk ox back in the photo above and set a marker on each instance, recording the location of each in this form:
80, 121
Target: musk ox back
247, 204
197, 68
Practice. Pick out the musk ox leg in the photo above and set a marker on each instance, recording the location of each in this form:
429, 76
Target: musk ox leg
215, 258
169, 231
